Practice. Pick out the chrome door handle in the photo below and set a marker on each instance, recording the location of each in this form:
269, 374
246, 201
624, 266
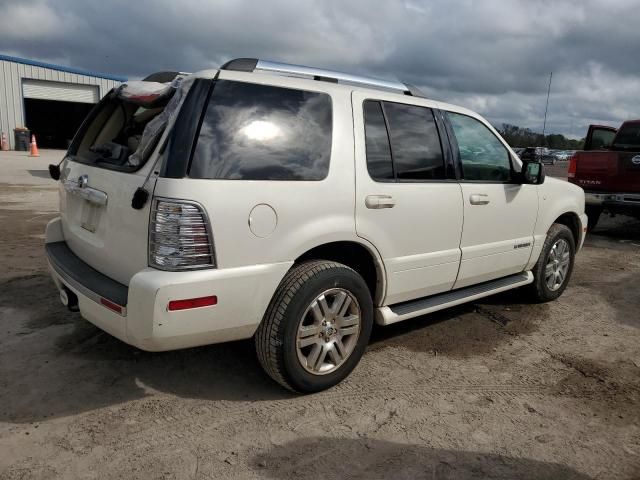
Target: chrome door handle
478, 199
91, 195
379, 201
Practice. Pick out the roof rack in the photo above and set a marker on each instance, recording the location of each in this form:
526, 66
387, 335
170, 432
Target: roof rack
253, 64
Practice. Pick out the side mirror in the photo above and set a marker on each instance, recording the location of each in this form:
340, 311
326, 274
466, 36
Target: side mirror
532, 172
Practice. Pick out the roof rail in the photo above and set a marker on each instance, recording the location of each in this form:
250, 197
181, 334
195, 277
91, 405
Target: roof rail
253, 64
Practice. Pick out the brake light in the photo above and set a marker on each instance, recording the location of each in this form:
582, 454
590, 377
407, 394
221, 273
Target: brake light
192, 303
571, 172
179, 236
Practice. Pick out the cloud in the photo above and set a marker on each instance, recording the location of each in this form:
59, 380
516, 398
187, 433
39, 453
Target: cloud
491, 56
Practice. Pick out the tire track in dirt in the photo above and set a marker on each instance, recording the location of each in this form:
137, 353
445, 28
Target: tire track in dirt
204, 419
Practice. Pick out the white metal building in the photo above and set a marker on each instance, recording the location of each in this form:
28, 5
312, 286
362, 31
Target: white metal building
50, 100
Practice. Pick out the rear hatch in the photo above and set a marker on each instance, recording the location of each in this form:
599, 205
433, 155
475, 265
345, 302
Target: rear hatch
108, 160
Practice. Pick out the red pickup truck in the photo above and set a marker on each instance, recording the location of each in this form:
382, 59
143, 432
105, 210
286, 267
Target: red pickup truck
608, 169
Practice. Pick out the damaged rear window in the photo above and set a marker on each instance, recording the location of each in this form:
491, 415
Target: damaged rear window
125, 127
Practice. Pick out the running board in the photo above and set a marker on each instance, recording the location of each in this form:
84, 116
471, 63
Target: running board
415, 308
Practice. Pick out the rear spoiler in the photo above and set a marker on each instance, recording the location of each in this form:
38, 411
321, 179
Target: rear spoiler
163, 77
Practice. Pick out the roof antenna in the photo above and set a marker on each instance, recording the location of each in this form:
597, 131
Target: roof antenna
546, 108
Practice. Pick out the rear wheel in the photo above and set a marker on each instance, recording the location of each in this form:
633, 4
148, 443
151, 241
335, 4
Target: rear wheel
593, 215
317, 326
555, 265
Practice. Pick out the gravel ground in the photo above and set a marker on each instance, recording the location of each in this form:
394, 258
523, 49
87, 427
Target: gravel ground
496, 389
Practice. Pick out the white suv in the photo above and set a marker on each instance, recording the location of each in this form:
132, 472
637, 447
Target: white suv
296, 206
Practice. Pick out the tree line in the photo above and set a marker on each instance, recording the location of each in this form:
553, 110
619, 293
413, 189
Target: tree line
524, 137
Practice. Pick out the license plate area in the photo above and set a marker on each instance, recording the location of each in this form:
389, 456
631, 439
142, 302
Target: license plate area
90, 216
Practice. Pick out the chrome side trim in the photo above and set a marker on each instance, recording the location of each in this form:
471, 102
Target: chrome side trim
301, 70
71, 283
92, 195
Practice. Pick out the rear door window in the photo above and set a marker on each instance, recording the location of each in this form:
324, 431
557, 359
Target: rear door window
415, 144
262, 132
402, 142
379, 162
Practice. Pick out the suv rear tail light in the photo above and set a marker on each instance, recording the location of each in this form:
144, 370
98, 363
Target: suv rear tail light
179, 236
571, 172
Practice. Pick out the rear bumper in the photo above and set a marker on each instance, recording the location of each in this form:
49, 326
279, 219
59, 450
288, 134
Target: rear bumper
612, 199
243, 296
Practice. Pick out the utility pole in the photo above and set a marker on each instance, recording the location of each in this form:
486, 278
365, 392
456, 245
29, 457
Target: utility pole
546, 108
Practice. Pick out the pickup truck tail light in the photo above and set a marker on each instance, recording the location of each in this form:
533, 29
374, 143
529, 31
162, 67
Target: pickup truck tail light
571, 172
179, 236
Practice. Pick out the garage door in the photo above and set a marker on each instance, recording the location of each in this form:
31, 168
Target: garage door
66, 92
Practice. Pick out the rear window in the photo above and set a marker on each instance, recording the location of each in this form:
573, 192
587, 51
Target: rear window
262, 132
628, 136
122, 131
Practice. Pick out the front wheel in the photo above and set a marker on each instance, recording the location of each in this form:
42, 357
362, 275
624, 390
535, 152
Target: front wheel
555, 265
316, 327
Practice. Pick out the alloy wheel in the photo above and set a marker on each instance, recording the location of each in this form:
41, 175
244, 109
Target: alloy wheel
328, 331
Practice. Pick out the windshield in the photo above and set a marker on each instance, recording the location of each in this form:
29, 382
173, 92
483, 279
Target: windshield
628, 137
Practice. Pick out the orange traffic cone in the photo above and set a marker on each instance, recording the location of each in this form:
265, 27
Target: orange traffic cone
4, 145
34, 147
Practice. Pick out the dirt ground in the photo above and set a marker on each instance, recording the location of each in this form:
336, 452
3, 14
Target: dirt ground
498, 389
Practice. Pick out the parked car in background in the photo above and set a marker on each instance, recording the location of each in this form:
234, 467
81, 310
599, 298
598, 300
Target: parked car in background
608, 169
518, 151
562, 155
539, 154
296, 206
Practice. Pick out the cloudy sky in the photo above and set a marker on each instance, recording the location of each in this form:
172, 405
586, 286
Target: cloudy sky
491, 56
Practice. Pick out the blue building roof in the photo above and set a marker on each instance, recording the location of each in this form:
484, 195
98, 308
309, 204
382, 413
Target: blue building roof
78, 71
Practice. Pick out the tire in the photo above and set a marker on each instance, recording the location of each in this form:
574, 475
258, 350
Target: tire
291, 317
540, 288
593, 215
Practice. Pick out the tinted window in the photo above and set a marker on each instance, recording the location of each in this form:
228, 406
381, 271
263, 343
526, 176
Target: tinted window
261, 132
628, 136
601, 137
415, 144
377, 142
483, 156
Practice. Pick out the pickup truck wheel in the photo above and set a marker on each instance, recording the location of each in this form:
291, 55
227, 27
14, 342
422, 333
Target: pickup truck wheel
593, 215
316, 327
555, 265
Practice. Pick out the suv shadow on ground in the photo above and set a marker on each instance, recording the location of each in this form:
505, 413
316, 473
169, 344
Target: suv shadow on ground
68, 366
323, 458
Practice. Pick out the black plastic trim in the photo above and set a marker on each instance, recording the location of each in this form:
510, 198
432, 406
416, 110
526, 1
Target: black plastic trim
185, 130
68, 264
451, 170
